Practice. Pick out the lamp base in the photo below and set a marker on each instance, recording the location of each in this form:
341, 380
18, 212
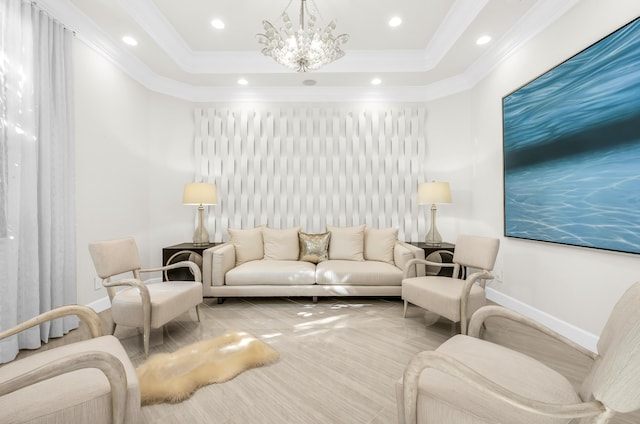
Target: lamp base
429, 241
201, 235
433, 237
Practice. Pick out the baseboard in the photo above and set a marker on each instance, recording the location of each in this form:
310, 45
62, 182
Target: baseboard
570, 331
100, 305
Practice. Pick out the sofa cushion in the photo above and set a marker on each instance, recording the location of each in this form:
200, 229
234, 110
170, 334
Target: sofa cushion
347, 243
248, 244
358, 273
272, 272
314, 248
281, 244
379, 243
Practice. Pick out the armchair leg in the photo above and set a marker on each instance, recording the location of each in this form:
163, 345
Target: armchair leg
404, 312
145, 341
198, 312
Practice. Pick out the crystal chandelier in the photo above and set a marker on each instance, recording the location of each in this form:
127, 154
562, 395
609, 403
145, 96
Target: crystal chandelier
306, 48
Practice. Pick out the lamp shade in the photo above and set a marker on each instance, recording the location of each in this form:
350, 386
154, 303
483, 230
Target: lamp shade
433, 192
199, 194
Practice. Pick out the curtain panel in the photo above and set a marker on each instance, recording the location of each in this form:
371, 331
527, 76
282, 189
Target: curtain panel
37, 182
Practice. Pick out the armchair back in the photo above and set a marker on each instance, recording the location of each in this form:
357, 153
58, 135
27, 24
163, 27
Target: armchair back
614, 378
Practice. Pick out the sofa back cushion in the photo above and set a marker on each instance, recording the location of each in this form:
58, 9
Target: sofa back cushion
281, 245
379, 243
347, 243
248, 244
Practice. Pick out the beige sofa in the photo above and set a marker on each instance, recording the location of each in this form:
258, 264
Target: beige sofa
344, 261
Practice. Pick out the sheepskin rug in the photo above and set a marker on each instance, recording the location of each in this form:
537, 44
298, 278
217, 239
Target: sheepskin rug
174, 377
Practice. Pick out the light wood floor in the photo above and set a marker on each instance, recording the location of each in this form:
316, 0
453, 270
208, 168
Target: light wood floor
340, 359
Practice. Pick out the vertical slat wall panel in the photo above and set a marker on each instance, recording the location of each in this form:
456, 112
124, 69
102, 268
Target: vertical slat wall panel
312, 166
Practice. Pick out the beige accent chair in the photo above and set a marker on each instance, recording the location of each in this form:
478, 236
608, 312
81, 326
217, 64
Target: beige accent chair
452, 297
469, 380
67, 384
146, 305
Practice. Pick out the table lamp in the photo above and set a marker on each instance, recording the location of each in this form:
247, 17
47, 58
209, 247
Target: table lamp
200, 194
433, 193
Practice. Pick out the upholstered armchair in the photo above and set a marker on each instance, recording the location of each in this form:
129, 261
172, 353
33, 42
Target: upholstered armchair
146, 305
90, 381
470, 380
455, 297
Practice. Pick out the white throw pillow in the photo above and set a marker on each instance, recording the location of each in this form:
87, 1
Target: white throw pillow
347, 243
281, 244
248, 244
379, 244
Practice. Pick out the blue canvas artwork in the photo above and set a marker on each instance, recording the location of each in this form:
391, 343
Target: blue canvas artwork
572, 149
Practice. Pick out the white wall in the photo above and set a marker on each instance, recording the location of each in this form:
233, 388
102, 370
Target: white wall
575, 285
314, 165
133, 153
170, 157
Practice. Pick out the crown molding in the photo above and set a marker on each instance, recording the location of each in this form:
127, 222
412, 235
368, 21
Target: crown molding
434, 91
151, 19
524, 30
541, 15
457, 20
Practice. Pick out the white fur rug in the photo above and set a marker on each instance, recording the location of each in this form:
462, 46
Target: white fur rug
173, 377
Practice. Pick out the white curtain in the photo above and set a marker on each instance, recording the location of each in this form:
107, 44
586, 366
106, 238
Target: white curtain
37, 182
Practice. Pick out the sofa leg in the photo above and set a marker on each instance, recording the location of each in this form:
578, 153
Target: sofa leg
220, 300
404, 312
315, 299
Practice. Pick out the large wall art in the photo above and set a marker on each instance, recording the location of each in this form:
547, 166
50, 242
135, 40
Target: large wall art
313, 166
572, 149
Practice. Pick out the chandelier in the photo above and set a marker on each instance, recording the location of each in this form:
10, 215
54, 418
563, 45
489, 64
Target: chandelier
304, 49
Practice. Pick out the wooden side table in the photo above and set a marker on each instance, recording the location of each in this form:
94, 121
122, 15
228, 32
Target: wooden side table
436, 257
182, 252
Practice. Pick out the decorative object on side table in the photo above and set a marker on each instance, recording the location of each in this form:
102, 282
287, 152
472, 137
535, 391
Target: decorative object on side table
433, 193
436, 254
182, 252
200, 194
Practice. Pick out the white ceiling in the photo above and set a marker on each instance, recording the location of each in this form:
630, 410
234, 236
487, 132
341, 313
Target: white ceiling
432, 53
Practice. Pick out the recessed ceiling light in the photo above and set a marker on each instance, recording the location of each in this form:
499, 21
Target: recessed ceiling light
243, 81
395, 21
483, 40
127, 39
217, 24
376, 81
309, 82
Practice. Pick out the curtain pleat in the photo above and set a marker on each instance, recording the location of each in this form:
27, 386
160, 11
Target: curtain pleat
37, 242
